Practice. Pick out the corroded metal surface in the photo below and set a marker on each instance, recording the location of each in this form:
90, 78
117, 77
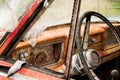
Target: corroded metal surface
72, 33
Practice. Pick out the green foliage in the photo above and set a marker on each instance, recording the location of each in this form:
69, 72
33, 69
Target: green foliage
115, 7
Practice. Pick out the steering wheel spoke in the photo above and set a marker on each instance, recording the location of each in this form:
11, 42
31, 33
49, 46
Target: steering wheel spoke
85, 36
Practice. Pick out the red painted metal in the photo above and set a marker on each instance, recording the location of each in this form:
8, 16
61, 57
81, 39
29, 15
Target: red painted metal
29, 73
4, 78
20, 24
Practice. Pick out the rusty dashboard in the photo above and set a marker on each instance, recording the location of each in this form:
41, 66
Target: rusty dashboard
50, 49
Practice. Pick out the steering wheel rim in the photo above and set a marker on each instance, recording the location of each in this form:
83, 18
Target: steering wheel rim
82, 44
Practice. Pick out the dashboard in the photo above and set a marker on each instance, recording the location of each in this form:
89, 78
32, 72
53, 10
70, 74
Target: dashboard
51, 50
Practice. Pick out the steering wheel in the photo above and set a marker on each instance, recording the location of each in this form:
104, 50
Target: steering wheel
82, 44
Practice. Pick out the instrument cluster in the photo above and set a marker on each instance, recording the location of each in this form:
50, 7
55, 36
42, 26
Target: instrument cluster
40, 55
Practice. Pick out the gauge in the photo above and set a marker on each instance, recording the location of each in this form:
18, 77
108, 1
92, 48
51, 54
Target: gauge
93, 57
39, 57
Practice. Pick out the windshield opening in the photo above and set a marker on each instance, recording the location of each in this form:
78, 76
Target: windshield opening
11, 11
108, 8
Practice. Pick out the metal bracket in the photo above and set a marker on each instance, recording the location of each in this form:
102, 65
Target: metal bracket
46, 4
17, 66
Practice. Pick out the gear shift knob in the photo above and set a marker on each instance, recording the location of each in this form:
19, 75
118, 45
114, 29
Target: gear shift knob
114, 74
